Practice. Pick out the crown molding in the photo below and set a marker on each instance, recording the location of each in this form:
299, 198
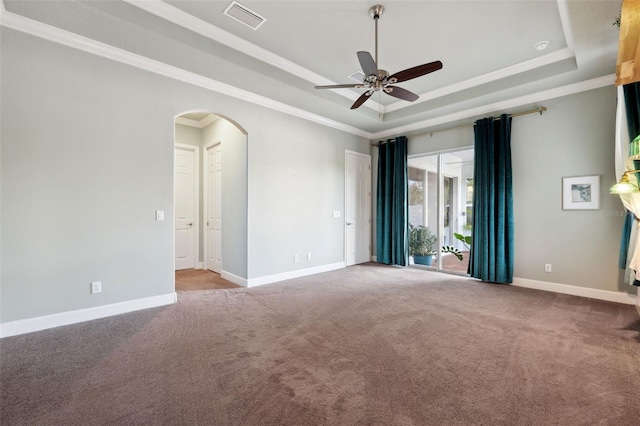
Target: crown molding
66, 38
570, 89
69, 39
178, 17
188, 122
563, 10
206, 29
200, 124
559, 55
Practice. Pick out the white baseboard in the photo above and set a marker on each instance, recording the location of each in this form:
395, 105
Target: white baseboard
200, 265
29, 325
592, 293
234, 278
374, 259
268, 279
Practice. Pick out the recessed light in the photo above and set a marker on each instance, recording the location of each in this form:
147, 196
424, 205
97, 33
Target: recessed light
541, 45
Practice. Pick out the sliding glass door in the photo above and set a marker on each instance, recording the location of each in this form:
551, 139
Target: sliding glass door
440, 209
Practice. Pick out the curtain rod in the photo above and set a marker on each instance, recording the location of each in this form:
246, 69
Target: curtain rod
518, 114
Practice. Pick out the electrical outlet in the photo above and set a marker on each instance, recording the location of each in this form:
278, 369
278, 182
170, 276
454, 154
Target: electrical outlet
308, 256
295, 258
96, 287
547, 267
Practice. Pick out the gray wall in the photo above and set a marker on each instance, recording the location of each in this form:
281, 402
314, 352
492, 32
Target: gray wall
296, 184
573, 138
87, 158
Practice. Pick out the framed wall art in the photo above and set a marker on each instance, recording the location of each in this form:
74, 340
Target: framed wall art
581, 193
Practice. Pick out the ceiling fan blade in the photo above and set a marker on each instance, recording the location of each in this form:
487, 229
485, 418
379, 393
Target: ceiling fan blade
400, 93
340, 86
414, 72
366, 95
368, 65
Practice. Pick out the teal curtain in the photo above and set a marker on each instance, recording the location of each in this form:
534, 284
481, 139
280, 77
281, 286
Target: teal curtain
491, 257
391, 203
632, 106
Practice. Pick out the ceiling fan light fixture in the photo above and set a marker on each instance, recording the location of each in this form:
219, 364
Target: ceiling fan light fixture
376, 79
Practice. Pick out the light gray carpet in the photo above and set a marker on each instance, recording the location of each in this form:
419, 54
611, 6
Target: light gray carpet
367, 345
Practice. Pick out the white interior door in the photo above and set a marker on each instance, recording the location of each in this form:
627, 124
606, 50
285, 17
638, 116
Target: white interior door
357, 208
214, 207
185, 207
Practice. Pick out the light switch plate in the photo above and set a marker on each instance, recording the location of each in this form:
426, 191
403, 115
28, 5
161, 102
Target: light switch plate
336, 214
159, 214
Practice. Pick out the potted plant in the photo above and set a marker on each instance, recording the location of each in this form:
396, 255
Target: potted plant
464, 239
422, 244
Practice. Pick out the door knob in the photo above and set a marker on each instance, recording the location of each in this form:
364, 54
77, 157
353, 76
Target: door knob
190, 224
349, 223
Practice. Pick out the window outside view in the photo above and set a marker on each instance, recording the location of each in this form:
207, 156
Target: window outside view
443, 246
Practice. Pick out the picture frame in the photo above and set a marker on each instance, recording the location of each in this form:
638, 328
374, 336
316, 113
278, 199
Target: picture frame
581, 193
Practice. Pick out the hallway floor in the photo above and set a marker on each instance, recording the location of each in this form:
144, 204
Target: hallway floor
200, 279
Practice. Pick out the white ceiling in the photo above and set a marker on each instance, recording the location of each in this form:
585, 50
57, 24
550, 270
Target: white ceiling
490, 64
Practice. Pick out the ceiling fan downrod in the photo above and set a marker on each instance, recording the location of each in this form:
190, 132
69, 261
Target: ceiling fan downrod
376, 12
379, 80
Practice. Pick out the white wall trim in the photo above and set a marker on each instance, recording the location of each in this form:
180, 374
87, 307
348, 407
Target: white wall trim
13, 328
557, 56
268, 279
195, 123
570, 89
234, 278
66, 38
196, 200
592, 293
206, 29
210, 31
374, 259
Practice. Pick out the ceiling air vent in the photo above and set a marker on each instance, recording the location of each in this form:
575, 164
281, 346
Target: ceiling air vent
244, 15
357, 76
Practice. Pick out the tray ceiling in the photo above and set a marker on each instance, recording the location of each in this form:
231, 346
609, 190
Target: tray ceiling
490, 63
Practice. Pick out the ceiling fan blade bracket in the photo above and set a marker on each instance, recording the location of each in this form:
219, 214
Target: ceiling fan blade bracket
376, 79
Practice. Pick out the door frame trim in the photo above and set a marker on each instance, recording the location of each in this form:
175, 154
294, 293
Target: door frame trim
344, 213
205, 203
196, 202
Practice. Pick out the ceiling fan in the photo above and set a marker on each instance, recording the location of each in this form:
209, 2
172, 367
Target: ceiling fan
378, 79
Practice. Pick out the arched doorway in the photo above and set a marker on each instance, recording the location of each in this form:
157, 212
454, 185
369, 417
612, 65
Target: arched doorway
210, 194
